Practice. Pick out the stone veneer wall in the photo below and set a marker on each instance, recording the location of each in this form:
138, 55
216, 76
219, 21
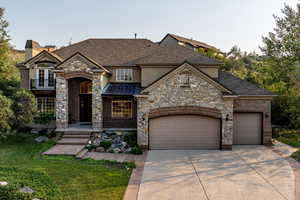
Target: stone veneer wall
257, 105
61, 102
97, 102
171, 94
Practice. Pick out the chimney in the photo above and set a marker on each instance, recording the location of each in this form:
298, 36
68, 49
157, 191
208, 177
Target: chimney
32, 48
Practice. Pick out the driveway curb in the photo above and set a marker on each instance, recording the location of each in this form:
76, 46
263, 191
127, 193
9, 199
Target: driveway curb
132, 190
296, 168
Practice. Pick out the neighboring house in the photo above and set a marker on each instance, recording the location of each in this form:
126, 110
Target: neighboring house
173, 40
174, 97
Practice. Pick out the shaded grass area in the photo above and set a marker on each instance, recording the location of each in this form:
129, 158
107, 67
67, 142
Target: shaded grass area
292, 138
59, 177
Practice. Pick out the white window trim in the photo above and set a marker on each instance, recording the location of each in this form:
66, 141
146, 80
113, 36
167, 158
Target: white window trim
130, 71
46, 77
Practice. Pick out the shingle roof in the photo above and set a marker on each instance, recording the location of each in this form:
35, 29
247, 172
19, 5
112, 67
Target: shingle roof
122, 89
128, 52
192, 42
239, 86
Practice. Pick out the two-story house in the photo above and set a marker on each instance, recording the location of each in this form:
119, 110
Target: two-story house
173, 96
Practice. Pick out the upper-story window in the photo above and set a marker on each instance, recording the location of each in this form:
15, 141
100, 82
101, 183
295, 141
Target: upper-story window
45, 77
124, 75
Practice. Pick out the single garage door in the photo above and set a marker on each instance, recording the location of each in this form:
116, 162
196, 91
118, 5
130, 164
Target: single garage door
247, 128
184, 132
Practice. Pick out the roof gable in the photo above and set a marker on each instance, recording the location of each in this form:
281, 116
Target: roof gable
191, 42
186, 66
79, 63
42, 56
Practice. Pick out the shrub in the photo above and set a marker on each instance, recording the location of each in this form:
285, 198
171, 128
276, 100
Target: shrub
11, 193
24, 108
44, 118
105, 144
5, 115
136, 150
131, 139
91, 147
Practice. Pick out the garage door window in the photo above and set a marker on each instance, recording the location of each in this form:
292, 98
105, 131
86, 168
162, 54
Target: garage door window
122, 109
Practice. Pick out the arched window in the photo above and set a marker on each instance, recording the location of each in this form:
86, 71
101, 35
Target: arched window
86, 87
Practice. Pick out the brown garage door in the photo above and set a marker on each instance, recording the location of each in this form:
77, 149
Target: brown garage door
247, 128
184, 132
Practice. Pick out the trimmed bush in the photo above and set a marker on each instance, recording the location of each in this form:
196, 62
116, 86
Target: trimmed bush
105, 144
131, 139
136, 150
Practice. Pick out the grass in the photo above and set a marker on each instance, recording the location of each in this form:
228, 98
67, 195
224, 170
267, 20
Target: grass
292, 138
59, 177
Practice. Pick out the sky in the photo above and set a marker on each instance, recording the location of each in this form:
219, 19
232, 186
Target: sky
221, 23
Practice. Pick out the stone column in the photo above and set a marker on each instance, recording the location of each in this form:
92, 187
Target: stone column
142, 121
61, 102
227, 124
97, 101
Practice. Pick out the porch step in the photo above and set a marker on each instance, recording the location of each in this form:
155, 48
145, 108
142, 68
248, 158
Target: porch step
73, 141
77, 132
76, 136
81, 154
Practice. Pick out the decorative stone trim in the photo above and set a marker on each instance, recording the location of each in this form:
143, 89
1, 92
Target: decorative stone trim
185, 110
78, 74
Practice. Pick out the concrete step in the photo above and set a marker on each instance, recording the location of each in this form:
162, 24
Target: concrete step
75, 136
73, 141
77, 133
82, 153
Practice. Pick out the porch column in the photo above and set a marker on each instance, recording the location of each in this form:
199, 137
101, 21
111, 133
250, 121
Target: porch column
97, 101
61, 102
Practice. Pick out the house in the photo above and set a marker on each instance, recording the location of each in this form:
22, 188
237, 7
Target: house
174, 40
173, 96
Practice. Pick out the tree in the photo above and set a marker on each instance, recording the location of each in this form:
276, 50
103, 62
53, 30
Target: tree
17, 105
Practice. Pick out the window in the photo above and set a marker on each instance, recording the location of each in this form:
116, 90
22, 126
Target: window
86, 87
51, 79
45, 104
122, 109
41, 77
124, 75
45, 78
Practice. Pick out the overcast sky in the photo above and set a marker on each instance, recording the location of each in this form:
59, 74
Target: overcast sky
222, 23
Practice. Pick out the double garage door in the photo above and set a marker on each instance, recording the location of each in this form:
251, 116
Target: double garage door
201, 132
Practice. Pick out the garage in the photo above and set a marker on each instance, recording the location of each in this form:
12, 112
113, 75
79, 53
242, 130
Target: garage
247, 128
184, 132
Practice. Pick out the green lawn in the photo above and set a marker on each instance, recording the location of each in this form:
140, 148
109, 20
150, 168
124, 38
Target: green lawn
291, 137
59, 177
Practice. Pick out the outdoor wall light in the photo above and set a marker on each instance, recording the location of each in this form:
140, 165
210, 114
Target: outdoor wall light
227, 117
266, 115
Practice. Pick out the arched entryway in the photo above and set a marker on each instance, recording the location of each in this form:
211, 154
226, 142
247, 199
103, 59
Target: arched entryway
80, 100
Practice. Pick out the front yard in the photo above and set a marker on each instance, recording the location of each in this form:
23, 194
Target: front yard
59, 177
292, 138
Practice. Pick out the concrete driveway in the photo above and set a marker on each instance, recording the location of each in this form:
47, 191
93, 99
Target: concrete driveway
247, 172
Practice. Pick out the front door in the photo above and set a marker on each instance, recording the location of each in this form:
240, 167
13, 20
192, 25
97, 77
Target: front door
85, 107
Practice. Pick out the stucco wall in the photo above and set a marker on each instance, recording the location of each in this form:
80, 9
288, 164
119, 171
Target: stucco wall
171, 94
152, 73
257, 105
